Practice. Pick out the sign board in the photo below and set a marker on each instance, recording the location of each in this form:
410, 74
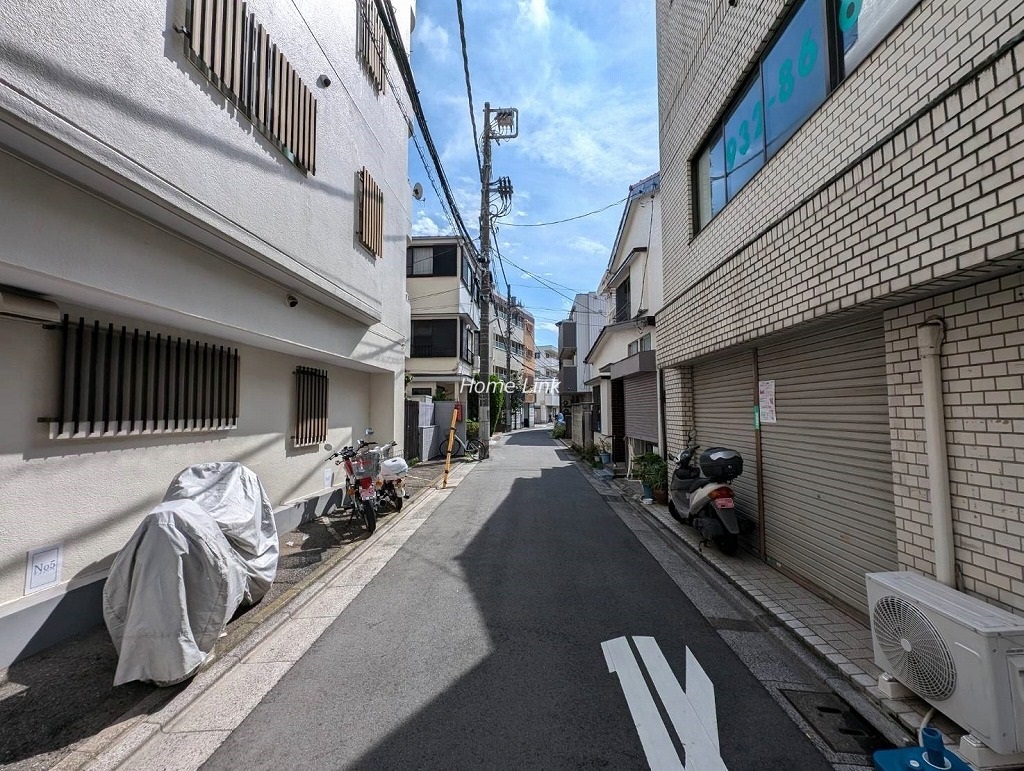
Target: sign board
328, 477
766, 400
43, 567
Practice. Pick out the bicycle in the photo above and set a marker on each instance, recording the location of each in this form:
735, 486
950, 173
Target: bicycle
472, 447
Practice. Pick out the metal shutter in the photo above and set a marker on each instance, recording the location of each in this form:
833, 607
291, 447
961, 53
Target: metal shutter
827, 464
641, 394
723, 401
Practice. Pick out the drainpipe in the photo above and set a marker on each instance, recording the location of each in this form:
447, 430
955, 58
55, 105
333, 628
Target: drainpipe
930, 335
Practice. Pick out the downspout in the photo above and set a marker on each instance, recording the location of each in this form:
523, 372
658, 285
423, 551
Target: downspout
930, 335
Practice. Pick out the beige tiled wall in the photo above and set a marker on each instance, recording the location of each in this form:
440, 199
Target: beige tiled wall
983, 384
678, 407
909, 174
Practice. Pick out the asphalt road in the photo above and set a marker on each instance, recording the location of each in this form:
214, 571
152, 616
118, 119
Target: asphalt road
479, 645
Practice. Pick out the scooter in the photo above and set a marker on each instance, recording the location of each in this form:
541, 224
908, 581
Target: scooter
367, 470
707, 502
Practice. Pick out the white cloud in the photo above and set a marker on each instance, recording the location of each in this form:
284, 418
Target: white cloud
587, 245
433, 39
424, 226
547, 326
535, 13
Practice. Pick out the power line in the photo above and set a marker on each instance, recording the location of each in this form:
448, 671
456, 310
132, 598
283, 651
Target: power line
387, 15
469, 87
567, 219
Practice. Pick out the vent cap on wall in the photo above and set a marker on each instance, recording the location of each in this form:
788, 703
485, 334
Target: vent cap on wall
26, 308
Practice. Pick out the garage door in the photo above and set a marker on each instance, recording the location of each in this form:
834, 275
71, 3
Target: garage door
723, 402
641, 407
826, 462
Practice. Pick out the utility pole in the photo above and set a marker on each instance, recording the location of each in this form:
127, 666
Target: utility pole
504, 125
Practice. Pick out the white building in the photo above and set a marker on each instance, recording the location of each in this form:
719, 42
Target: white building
546, 399
205, 246
576, 336
627, 415
444, 295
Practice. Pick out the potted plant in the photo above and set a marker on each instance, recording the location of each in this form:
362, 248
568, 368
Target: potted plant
603, 452
654, 476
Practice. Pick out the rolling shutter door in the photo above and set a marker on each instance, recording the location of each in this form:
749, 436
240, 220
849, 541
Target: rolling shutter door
827, 464
641, 406
723, 401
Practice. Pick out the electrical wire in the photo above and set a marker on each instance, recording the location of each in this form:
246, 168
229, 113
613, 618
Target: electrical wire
387, 14
469, 88
567, 219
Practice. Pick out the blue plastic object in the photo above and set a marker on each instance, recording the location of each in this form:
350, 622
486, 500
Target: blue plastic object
931, 757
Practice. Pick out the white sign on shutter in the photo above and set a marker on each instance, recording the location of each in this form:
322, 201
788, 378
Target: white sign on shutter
766, 400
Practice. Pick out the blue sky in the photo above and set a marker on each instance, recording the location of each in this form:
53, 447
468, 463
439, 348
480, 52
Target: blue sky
583, 75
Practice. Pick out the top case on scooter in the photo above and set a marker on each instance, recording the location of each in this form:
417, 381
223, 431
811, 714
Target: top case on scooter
394, 468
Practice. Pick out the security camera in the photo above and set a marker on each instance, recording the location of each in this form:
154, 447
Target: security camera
292, 300
324, 81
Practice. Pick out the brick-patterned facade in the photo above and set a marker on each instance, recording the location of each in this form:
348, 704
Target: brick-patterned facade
983, 384
921, 183
907, 183
678, 407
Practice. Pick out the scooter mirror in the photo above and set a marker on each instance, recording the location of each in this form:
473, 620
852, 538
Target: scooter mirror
369, 431
327, 447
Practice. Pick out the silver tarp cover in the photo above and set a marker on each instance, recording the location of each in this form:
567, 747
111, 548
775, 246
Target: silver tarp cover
234, 496
208, 548
170, 593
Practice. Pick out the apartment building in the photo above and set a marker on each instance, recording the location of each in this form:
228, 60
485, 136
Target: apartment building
546, 400
203, 239
839, 179
627, 407
443, 282
513, 348
576, 336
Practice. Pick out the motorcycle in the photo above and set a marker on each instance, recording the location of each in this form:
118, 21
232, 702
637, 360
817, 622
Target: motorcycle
372, 478
707, 502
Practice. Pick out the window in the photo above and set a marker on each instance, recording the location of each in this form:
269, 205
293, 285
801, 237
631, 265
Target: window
227, 45
371, 215
468, 274
791, 81
117, 382
311, 387
434, 338
468, 346
422, 392
372, 43
431, 261
622, 309
643, 344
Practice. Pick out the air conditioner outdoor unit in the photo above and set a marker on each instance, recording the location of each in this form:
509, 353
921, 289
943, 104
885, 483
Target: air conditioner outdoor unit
963, 656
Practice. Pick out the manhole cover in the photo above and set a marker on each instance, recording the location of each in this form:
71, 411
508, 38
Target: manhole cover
836, 722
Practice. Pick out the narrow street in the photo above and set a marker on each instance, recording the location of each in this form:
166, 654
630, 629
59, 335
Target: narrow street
479, 644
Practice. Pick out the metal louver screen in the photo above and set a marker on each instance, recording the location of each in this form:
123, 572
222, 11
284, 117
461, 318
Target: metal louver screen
311, 399
372, 44
371, 215
224, 40
116, 381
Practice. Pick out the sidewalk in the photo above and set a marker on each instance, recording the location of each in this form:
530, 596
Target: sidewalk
837, 638
58, 708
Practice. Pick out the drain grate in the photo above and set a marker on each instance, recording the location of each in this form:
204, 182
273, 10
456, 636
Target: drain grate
836, 722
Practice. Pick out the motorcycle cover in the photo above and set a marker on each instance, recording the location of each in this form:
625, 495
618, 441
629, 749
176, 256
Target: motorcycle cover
234, 496
170, 593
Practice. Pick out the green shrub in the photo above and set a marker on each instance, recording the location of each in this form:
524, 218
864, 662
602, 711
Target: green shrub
472, 429
558, 431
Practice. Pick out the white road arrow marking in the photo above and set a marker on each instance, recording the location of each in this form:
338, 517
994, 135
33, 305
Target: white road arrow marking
692, 713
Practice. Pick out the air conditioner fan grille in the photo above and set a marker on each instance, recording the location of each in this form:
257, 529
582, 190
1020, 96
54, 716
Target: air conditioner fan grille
917, 655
